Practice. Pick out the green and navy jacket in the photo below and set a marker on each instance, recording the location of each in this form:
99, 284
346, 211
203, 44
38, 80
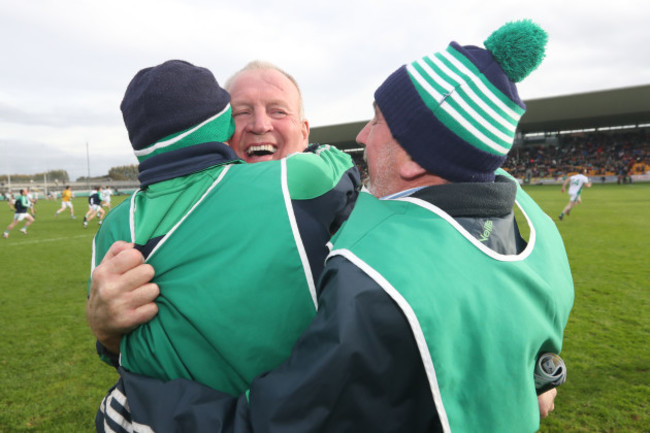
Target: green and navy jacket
480, 318
236, 249
432, 312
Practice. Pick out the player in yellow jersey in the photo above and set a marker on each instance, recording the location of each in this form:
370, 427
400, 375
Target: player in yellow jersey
66, 202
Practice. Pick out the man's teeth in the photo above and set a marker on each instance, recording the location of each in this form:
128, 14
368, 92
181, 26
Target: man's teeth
262, 148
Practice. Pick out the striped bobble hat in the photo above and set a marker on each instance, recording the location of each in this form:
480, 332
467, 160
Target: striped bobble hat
456, 112
173, 106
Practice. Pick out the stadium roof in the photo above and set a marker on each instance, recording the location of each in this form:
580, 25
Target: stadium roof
628, 106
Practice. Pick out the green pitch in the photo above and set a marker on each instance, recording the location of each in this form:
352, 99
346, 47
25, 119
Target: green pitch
606, 347
52, 381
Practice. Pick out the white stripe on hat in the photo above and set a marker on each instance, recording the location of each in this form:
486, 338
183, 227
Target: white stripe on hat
437, 96
476, 80
468, 108
454, 114
477, 99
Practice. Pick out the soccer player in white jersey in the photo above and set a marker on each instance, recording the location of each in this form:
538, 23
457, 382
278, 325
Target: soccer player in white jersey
106, 194
576, 183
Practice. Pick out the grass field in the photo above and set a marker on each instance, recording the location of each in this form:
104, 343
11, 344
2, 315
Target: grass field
52, 381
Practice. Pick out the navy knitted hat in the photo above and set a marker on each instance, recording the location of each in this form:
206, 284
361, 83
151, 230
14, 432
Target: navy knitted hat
456, 112
175, 105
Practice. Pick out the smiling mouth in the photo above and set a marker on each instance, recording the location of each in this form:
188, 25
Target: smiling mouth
261, 150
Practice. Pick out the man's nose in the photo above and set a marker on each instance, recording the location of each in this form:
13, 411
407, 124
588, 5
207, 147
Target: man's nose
261, 123
362, 135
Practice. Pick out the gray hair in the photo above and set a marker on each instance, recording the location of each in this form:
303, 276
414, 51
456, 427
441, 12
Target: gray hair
261, 65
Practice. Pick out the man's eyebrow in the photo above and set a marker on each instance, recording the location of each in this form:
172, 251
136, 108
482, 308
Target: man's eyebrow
278, 102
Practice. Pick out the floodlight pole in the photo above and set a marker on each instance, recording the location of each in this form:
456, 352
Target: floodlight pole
88, 166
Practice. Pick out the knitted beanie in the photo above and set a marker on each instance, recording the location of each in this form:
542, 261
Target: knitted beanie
175, 105
456, 112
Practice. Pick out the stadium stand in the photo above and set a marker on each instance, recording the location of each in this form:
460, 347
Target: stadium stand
607, 132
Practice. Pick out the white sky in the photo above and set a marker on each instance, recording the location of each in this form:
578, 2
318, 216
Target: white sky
65, 64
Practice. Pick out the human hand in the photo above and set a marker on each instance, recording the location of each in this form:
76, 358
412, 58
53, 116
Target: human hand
546, 402
121, 295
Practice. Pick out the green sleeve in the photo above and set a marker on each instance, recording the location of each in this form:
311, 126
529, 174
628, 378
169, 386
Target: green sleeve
311, 175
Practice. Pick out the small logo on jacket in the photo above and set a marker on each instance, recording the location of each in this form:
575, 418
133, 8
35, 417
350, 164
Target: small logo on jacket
487, 230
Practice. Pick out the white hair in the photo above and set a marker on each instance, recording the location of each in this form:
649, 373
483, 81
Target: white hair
261, 65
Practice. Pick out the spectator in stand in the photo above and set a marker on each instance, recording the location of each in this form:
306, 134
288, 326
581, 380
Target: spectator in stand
602, 151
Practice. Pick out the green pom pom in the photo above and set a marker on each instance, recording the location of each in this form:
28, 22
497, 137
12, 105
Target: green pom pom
518, 47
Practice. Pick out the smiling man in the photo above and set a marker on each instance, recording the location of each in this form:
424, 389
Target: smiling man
268, 111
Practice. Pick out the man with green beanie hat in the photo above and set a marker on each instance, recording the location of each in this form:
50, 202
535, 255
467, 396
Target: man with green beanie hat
433, 308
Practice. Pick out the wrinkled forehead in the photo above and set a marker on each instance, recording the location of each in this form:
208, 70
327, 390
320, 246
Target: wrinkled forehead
265, 83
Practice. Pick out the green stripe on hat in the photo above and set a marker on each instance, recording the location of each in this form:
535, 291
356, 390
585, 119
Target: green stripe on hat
476, 77
479, 93
470, 107
505, 124
438, 88
468, 132
472, 112
218, 128
438, 79
486, 132
481, 132
473, 95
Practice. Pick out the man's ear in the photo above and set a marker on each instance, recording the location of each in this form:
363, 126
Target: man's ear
411, 170
305, 131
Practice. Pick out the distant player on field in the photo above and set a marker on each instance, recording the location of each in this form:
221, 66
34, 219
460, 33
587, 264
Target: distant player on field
10, 200
106, 194
66, 202
94, 207
32, 198
21, 205
576, 183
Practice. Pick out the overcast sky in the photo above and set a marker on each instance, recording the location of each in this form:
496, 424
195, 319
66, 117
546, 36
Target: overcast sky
65, 64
